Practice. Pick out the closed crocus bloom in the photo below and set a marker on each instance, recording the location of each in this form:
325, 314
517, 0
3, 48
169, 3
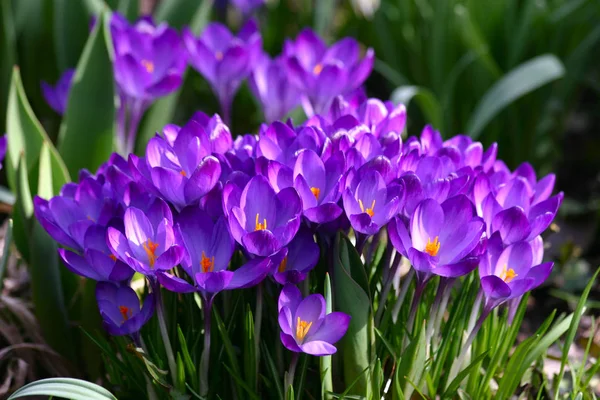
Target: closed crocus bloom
269, 84
218, 133
305, 328
323, 73
97, 262
319, 185
292, 263
148, 243
58, 95
440, 238
120, 309
209, 247
247, 6
185, 172
259, 219
223, 59
370, 204
510, 272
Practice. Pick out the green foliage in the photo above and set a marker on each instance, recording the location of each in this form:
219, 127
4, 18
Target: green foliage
73, 389
91, 107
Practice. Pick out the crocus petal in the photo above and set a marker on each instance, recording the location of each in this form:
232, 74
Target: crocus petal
318, 348
289, 297
203, 180
512, 225
332, 329
213, 282
426, 223
170, 258
174, 283
250, 274
289, 342
261, 242
540, 273
495, 288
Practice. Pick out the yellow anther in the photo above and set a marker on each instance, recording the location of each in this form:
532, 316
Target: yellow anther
508, 274
370, 211
302, 328
182, 172
260, 227
113, 257
219, 55
432, 248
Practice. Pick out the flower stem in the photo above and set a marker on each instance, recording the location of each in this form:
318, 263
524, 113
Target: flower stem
387, 286
402, 295
135, 116
205, 358
289, 375
457, 365
160, 313
258, 325
435, 308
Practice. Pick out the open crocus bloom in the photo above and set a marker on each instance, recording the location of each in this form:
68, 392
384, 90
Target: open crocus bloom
260, 220
148, 244
319, 185
509, 273
209, 248
120, 308
371, 203
304, 325
441, 239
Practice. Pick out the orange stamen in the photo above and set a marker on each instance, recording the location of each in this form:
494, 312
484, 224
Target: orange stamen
317, 69
113, 257
207, 264
149, 65
432, 248
150, 248
316, 192
182, 172
507, 275
125, 312
370, 210
219, 55
282, 265
302, 328
258, 226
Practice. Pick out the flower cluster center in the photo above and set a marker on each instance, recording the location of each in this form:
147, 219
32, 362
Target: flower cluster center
260, 226
149, 65
150, 248
125, 312
508, 274
370, 211
207, 263
316, 192
302, 328
432, 248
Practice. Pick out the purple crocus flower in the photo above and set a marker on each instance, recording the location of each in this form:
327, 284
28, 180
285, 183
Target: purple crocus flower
247, 6
510, 272
323, 73
292, 263
57, 96
370, 203
269, 84
148, 243
97, 262
209, 249
149, 63
68, 216
259, 219
305, 328
224, 59
319, 185
120, 309
441, 238
185, 172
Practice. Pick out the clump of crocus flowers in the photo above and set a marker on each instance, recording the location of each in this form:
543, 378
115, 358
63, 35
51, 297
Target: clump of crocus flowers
199, 198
